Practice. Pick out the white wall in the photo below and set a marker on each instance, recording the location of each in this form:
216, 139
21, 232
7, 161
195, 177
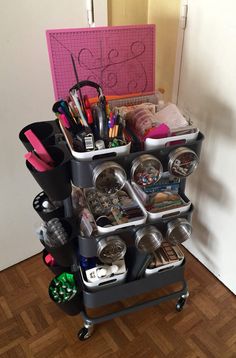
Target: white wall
207, 94
26, 95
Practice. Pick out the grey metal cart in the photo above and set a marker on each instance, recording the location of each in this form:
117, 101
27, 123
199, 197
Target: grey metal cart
80, 174
130, 288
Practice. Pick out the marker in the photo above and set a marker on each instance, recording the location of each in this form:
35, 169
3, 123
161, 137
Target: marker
38, 146
37, 163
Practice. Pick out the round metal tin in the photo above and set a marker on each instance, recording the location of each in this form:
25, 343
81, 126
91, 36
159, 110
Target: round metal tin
109, 177
182, 162
111, 249
146, 170
148, 239
178, 231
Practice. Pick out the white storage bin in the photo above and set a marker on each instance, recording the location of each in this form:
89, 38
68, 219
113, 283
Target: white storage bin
104, 283
167, 213
104, 230
89, 156
167, 265
181, 139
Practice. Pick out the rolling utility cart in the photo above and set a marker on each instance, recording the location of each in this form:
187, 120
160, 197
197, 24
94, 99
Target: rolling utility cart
59, 169
56, 184
131, 287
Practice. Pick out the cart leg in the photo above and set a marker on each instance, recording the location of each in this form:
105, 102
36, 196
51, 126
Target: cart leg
86, 331
181, 301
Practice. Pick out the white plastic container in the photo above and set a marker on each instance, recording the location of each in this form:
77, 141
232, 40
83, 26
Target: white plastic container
92, 155
167, 265
182, 139
174, 212
105, 282
104, 230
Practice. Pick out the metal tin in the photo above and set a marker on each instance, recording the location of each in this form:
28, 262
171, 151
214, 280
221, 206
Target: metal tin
146, 170
178, 231
182, 162
111, 249
109, 177
148, 239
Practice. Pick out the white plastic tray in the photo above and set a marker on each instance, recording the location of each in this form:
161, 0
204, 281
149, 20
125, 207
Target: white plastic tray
168, 266
165, 214
151, 143
89, 156
130, 191
103, 283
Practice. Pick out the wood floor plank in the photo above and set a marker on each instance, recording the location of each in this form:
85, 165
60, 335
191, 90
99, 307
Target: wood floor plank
32, 326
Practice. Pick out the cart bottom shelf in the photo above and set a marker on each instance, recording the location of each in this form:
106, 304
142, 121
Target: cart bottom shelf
130, 289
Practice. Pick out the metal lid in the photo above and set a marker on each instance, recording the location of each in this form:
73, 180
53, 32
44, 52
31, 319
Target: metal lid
109, 177
146, 170
178, 231
148, 239
182, 162
110, 249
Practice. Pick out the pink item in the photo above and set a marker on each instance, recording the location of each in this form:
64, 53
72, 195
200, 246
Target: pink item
120, 58
49, 260
141, 120
162, 131
37, 163
38, 146
64, 120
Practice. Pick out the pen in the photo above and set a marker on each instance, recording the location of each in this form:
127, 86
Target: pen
64, 120
73, 94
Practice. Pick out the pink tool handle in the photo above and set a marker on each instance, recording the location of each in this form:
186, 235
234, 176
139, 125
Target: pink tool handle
37, 163
38, 146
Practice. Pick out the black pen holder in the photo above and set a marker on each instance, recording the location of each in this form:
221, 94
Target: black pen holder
65, 255
55, 182
44, 131
46, 216
72, 307
55, 268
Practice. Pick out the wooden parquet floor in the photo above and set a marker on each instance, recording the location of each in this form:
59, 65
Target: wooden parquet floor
32, 326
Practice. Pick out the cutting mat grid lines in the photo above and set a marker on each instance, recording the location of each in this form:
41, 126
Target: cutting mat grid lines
120, 59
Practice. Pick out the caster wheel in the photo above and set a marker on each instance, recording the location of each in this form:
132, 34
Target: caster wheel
180, 304
84, 334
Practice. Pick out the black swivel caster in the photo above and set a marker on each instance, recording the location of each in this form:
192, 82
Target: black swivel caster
85, 332
181, 302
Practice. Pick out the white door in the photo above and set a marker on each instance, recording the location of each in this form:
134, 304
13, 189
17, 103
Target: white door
26, 95
207, 94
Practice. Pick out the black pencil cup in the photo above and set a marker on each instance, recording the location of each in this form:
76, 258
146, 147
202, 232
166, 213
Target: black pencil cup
46, 216
45, 131
55, 182
55, 268
72, 307
65, 255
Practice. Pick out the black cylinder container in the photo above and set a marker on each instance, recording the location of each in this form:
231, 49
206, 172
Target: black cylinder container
55, 268
55, 182
72, 307
46, 216
44, 131
65, 255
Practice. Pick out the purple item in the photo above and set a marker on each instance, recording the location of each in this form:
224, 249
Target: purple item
120, 58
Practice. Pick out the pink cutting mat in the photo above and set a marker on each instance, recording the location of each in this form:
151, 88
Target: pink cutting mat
120, 58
